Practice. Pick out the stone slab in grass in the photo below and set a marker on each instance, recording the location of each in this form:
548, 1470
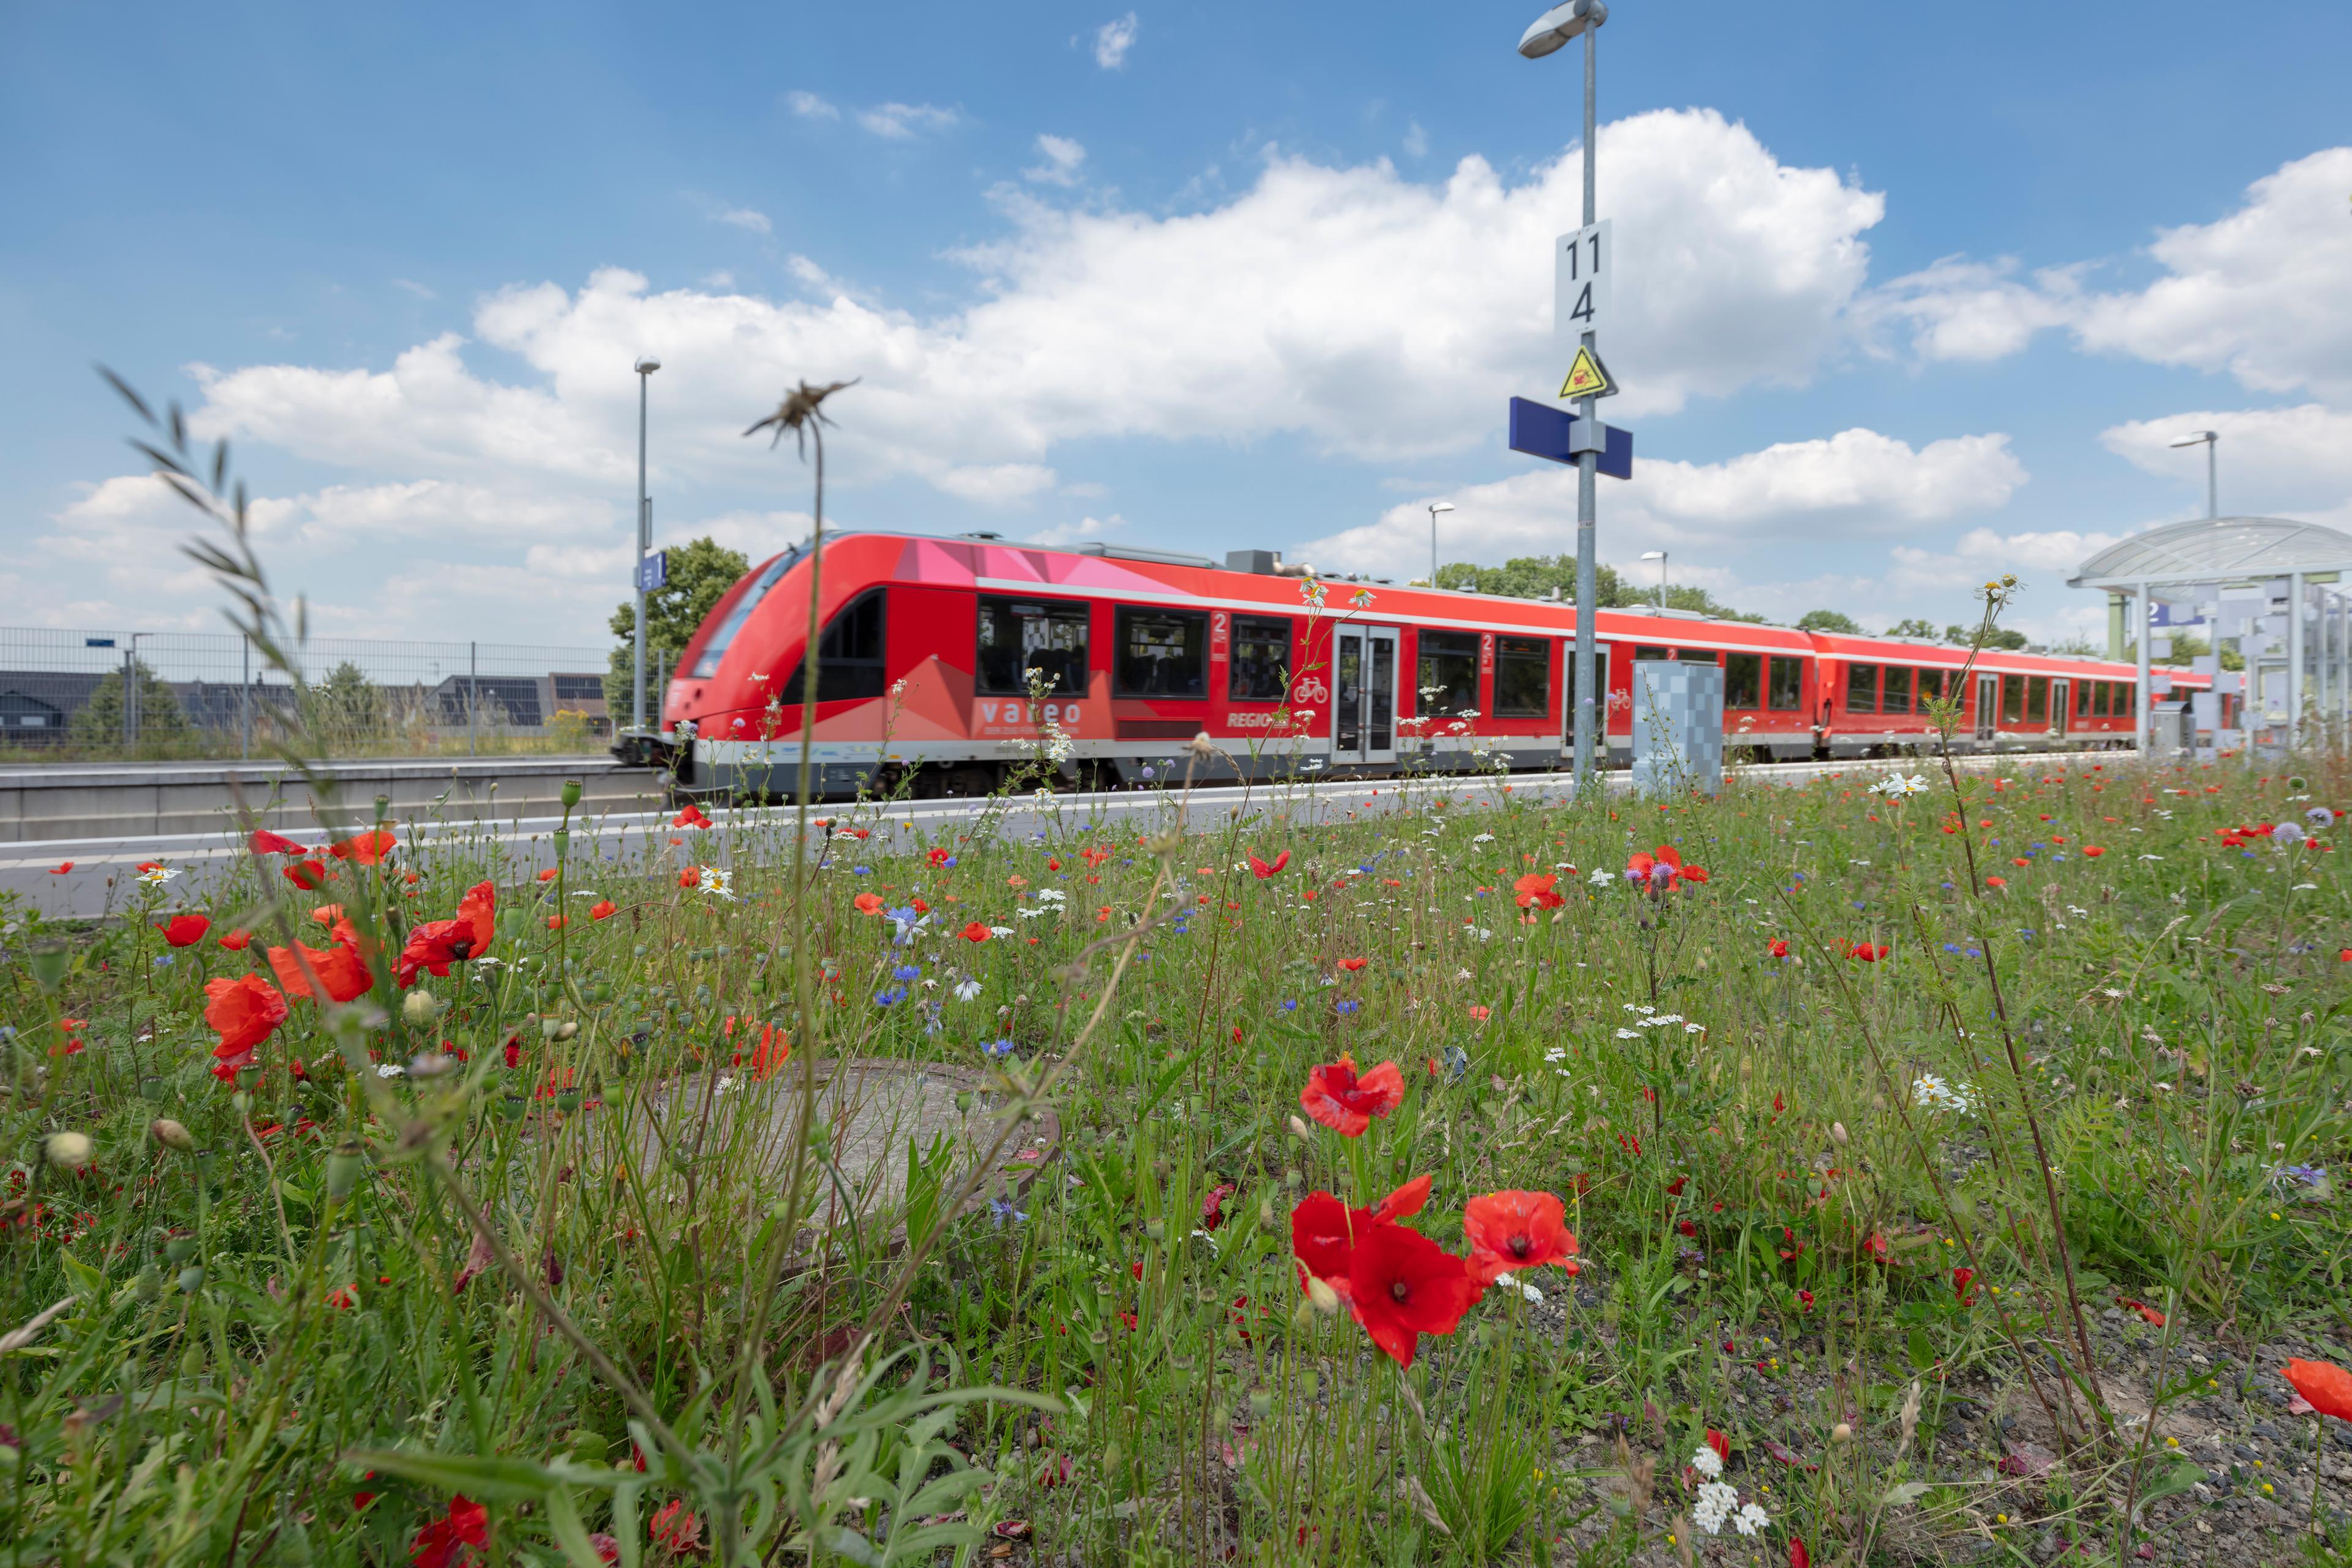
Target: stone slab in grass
729, 1125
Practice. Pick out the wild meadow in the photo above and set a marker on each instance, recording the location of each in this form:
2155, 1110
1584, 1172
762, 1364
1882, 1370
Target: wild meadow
1907, 1163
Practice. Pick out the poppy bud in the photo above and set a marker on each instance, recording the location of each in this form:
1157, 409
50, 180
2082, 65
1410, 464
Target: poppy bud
180, 1249
421, 1008
1319, 1291
1837, 1133
550, 1028
172, 1135
344, 1167
48, 966
571, 793
192, 1279
151, 1283
68, 1151
1299, 1130
1840, 1433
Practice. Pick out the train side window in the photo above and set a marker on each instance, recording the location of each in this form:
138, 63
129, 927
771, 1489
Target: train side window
1261, 658
1895, 697
1698, 656
1743, 680
1447, 681
1931, 686
849, 663
1787, 692
1522, 676
2037, 701
1862, 688
1017, 635
1163, 652
1649, 653
2126, 698
2101, 696
2082, 699
2012, 700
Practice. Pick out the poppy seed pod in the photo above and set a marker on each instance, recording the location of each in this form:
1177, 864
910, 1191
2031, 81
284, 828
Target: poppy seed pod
68, 1151
571, 793
563, 837
421, 1008
344, 1168
192, 1279
172, 1135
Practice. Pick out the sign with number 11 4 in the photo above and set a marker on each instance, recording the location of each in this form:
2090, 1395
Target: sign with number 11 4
1580, 279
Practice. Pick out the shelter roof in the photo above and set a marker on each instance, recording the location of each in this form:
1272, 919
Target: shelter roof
2217, 549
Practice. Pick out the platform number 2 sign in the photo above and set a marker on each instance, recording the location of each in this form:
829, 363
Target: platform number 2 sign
1581, 280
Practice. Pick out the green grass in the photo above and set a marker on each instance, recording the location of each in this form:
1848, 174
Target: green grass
256, 1327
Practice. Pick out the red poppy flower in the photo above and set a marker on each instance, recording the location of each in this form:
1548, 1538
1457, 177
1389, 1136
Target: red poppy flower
1401, 1285
1798, 1556
261, 841
1664, 870
689, 878
1261, 870
1996, 881
867, 903
557, 922
1720, 1443
1509, 1231
548, 875
438, 1544
1345, 1103
307, 875
1864, 953
436, 945
1778, 947
246, 1011
61, 867
690, 817
1534, 891
974, 933
1351, 964
367, 848
339, 968
2091, 851
602, 907
1322, 1238
2324, 1386
185, 931
1963, 1285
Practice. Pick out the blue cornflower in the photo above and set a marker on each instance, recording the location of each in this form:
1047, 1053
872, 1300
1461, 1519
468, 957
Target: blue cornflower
1290, 1007
163, 960
861, 871
1951, 947
997, 1048
908, 972
1002, 1209
1457, 1062
2026, 934
1344, 1008
1975, 952
896, 994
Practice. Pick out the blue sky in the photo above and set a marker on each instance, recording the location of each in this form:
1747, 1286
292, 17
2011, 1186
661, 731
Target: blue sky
1909, 300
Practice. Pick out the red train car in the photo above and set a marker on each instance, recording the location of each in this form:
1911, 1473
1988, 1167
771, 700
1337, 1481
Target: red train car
942, 662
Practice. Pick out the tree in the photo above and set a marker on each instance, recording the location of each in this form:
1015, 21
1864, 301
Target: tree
1913, 626
2008, 639
346, 706
1535, 577
1828, 621
98, 723
700, 573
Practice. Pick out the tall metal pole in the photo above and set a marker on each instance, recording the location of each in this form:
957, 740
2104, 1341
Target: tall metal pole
1588, 586
244, 701
2143, 724
637, 712
474, 692
2298, 608
2212, 474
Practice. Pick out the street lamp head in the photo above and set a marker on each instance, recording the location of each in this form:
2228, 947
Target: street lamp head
1653, 555
2200, 438
1438, 506
648, 366
1561, 25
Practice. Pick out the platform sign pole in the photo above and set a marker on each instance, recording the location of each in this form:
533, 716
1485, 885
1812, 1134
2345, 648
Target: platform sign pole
1588, 588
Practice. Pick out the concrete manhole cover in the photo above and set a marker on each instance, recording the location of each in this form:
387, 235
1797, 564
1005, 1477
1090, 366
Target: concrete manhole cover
875, 1111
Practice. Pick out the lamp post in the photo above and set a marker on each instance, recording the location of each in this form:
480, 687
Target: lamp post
1434, 508
1554, 29
2210, 440
646, 368
1660, 557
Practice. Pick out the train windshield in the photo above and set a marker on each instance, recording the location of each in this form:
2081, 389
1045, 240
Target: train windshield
716, 648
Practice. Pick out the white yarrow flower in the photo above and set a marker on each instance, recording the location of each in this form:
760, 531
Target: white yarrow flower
1716, 1504
1751, 1518
1706, 1462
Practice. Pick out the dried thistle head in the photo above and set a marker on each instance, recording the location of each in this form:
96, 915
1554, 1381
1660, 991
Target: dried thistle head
800, 409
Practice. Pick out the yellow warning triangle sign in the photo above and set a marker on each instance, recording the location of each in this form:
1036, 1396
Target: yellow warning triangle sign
1587, 377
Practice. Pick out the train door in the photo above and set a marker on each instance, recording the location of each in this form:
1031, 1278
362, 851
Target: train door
1599, 699
1363, 696
1987, 708
2061, 696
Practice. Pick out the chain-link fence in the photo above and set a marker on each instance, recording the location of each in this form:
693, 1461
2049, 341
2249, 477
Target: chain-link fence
96, 694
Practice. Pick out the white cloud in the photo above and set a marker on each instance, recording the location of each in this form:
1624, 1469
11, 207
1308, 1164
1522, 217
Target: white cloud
2265, 292
1416, 140
413, 287
809, 106
1080, 532
1333, 304
747, 219
1855, 484
1063, 157
2291, 461
1963, 309
997, 484
1113, 39
904, 122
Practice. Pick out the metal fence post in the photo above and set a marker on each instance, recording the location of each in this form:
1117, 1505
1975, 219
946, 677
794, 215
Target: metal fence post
473, 693
244, 701
130, 697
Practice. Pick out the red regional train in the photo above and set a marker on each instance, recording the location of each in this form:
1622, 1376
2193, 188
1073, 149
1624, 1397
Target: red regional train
943, 662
